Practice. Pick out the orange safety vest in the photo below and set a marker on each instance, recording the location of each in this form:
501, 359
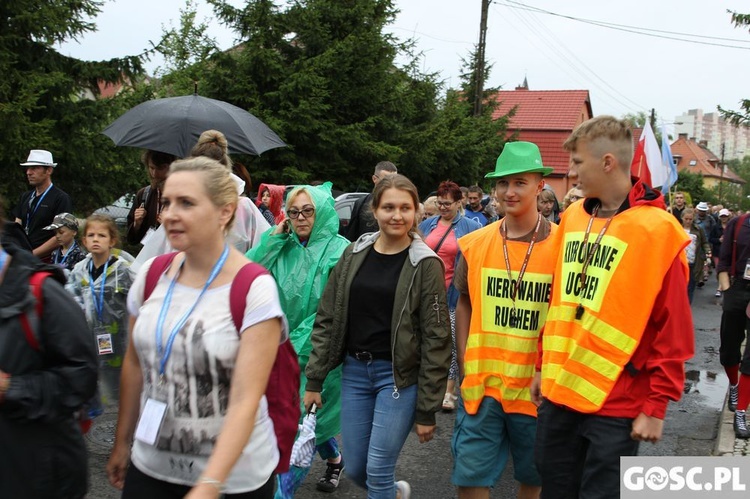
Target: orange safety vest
582, 359
500, 354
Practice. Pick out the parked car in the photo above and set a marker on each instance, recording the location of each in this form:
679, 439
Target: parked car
344, 205
118, 210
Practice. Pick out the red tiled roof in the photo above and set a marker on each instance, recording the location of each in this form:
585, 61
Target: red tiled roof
107, 90
706, 162
550, 146
544, 109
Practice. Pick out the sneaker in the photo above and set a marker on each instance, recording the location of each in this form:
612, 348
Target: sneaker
740, 425
733, 397
330, 479
718, 293
700, 284
403, 490
449, 402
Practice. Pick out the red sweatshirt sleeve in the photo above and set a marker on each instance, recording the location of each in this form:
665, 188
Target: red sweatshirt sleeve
673, 343
660, 357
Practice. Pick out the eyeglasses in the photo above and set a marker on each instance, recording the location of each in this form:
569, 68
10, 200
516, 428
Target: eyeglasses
294, 214
445, 204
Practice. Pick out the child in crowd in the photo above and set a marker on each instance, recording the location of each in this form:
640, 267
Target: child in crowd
69, 252
100, 284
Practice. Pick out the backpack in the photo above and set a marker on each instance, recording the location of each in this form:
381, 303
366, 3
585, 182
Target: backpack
35, 283
282, 391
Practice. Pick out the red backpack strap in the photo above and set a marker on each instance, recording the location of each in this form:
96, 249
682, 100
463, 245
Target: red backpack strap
35, 283
282, 391
240, 288
160, 265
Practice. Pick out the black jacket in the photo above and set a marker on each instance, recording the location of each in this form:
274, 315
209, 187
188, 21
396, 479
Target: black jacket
362, 220
43, 453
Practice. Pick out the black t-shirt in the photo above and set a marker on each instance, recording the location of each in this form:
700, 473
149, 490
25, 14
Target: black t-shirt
35, 215
98, 271
371, 297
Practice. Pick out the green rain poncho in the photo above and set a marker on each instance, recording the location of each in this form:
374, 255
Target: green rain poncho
301, 273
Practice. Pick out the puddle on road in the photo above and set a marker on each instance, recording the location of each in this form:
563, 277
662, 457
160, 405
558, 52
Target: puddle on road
711, 385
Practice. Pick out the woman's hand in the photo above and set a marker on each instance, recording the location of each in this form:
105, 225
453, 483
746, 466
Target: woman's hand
117, 466
203, 491
311, 398
282, 228
425, 432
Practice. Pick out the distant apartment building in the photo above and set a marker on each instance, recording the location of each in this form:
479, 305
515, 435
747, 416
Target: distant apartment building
714, 131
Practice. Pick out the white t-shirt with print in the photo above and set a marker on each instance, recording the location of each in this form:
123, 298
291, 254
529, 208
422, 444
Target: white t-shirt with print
196, 383
692, 248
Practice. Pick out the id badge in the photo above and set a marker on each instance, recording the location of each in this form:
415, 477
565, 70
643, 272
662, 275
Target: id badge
150, 422
746, 276
148, 235
104, 343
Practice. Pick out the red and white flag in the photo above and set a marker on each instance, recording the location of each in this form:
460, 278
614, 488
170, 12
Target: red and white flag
647, 164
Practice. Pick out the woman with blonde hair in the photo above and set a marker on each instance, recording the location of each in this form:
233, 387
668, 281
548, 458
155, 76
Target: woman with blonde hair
188, 373
300, 254
571, 197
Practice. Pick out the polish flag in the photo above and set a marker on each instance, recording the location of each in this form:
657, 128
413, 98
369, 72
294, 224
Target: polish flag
647, 164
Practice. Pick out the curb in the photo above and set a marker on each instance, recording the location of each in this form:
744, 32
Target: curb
725, 441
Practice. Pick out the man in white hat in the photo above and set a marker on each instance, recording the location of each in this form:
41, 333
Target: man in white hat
503, 277
37, 208
703, 219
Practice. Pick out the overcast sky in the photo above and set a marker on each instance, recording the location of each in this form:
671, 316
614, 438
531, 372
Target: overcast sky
624, 71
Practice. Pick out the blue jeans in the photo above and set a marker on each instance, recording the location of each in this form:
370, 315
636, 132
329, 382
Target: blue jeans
374, 424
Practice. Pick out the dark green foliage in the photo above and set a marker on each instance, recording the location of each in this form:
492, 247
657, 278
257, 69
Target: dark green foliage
692, 184
321, 73
324, 76
741, 117
42, 104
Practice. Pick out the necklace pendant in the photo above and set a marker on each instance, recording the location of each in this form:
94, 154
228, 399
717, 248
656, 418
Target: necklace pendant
579, 312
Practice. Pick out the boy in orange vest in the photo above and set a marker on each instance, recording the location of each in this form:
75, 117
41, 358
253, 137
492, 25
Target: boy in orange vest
504, 279
619, 327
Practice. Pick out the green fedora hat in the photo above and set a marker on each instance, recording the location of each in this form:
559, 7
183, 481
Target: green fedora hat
519, 157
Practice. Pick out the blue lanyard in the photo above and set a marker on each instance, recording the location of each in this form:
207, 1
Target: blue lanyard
3, 259
62, 262
165, 353
98, 304
30, 213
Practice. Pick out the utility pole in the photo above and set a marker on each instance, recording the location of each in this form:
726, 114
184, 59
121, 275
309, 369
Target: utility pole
721, 180
479, 70
653, 119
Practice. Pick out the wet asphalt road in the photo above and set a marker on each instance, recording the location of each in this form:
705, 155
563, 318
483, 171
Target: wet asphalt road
690, 427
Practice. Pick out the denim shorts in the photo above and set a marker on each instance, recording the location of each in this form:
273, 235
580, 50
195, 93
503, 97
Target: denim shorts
483, 441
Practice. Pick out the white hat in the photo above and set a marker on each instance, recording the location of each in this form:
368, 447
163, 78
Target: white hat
724, 212
702, 206
39, 157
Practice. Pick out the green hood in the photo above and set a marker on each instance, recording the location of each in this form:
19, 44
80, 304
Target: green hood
301, 274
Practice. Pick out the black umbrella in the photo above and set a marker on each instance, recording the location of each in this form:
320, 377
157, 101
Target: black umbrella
173, 125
